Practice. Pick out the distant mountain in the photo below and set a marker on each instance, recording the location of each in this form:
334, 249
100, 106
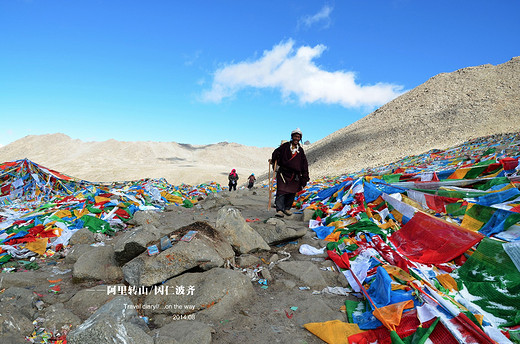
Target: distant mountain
445, 111
113, 160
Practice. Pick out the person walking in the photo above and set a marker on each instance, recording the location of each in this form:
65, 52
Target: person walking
293, 172
233, 179
251, 179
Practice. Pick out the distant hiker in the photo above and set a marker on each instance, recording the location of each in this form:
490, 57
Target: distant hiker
293, 172
233, 178
251, 179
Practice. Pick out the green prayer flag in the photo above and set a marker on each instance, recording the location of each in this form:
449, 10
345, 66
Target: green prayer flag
96, 225
187, 203
392, 178
395, 338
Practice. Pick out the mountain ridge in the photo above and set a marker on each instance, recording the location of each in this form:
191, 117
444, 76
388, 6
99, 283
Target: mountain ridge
112, 160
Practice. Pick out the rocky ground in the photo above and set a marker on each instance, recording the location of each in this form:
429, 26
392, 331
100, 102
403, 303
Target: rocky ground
241, 279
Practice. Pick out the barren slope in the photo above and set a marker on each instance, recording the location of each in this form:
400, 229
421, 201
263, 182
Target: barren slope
445, 111
119, 161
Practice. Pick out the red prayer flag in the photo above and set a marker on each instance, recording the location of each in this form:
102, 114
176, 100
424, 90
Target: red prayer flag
428, 240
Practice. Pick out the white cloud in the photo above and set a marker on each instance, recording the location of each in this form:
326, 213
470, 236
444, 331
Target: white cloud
293, 72
322, 16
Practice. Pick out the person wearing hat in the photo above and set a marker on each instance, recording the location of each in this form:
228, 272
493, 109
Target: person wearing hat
233, 178
251, 179
293, 172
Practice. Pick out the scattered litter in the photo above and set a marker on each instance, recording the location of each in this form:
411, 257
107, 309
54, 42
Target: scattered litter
310, 250
318, 259
57, 271
165, 243
328, 268
39, 304
336, 290
304, 288
152, 250
189, 236
54, 289
287, 243
253, 273
286, 258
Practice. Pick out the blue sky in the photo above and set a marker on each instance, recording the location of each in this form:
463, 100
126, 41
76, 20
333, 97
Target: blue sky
203, 72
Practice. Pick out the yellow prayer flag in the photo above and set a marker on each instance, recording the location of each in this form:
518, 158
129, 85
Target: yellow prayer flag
333, 331
63, 213
38, 246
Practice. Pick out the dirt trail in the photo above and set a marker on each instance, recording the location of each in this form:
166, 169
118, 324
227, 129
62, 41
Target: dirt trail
275, 314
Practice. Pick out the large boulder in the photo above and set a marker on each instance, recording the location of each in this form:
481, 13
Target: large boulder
145, 217
275, 231
232, 226
214, 200
87, 301
246, 260
115, 322
306, 272
17, 310
210, 294
13, 324
58, 318
21, 299
133, 242
97, 264
75, 252
82, 236
205, 251
24, 279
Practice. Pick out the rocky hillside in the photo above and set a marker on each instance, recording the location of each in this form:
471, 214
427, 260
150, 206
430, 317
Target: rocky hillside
447, 110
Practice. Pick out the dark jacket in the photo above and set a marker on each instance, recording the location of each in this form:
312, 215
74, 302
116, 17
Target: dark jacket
233, 177
293, 171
